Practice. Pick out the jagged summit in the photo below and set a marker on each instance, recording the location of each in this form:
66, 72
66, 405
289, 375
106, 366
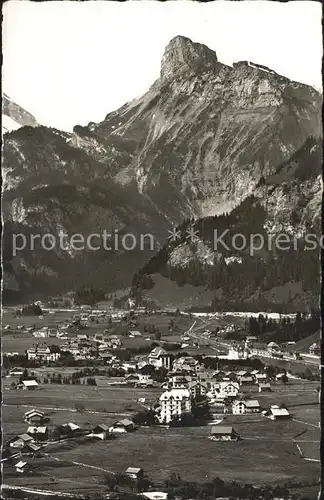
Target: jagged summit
182, 54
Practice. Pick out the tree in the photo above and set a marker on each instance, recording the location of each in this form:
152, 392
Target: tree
145, 417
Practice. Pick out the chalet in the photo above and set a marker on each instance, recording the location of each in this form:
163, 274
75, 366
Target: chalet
71, 427
223, 433
246, 380
277, 413
229, 389
101, 431
198, 389
315, 349
69, 430
261, 377
159, 357
38, 433
242, 373
134, 333
22, 467
29, 385
121, 426
134, 472
16, 372
248, 406
132, 378
34, 416
265, 387
20, 441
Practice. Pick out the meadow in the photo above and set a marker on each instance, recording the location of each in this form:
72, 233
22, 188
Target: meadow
266, 454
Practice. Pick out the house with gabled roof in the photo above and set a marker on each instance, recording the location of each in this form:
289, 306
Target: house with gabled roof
277, 412
223, 433
248, 406
159, 357
39, 433
34, 416
20, 441
121, 426
134, 472
100, 431
22, 467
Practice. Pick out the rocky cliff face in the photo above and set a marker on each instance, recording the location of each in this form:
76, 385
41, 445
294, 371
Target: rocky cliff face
203, 139
14, 116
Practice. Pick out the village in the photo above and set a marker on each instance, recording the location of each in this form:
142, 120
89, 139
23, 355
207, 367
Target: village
122, 378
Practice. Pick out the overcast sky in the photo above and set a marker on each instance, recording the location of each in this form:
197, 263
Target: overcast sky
72, 62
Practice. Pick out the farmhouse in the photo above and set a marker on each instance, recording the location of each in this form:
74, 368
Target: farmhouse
22, 467
198, 389
101, 431
174, 403
16, 372
159, 357
20, 441
121, 426
34, 416
246, 380
134, 472
315, 349
132, 378
134, 333
249, 406
29, 385
223, 433
229, 389
39, 433
278, 413
265, 387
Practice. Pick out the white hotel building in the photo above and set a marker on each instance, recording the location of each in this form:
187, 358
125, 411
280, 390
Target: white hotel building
174, 403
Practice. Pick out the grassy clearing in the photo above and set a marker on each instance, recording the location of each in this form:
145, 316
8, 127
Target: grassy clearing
266, 454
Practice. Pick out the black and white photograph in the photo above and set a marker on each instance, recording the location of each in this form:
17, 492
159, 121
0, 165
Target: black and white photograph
161, 250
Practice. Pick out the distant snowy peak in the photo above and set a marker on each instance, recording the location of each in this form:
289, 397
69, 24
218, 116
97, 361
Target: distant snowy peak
14, 116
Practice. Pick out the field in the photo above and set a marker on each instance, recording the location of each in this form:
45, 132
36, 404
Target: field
267, 452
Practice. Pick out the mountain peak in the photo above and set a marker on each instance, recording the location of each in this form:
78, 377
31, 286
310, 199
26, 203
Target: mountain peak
182, 54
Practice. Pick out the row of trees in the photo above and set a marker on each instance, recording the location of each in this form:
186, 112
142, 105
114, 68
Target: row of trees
285, 329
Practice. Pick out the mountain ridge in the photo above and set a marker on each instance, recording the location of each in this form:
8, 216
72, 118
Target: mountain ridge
202, 140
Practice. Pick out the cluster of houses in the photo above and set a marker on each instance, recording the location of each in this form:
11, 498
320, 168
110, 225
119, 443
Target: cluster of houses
38, 434
81, 348
188, 381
